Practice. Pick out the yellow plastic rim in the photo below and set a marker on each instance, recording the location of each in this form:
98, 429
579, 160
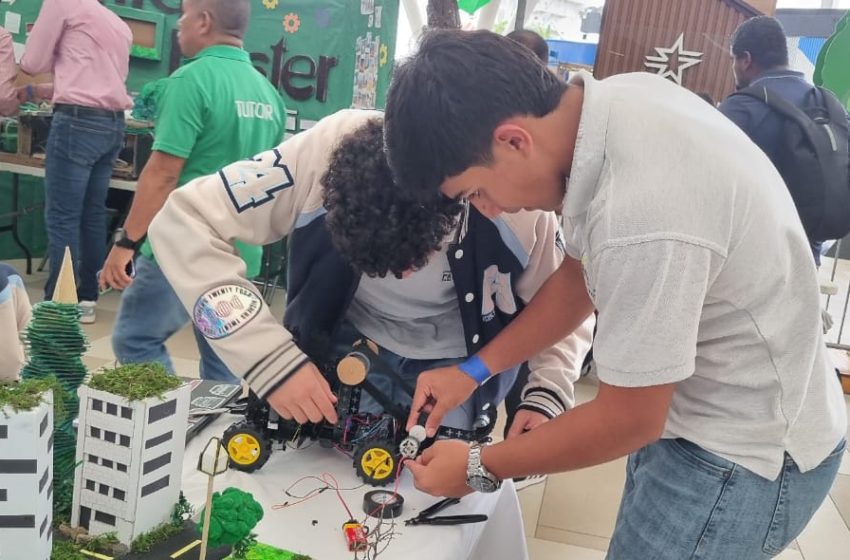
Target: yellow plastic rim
244, 449
377, 463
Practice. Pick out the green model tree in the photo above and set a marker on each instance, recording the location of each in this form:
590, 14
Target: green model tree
56, 344
831, 69
234, 515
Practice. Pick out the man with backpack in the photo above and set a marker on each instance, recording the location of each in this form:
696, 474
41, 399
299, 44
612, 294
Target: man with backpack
803, 129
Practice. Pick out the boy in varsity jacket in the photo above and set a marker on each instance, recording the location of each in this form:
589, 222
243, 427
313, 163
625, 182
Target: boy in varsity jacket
429, 285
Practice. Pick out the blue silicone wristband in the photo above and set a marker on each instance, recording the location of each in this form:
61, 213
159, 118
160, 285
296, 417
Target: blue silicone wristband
29, 92
476, 369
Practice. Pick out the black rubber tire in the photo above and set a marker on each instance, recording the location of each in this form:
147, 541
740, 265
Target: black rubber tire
369, 478
262, 439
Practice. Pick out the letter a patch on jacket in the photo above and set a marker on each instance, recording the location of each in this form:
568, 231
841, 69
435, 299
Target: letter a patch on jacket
253, 182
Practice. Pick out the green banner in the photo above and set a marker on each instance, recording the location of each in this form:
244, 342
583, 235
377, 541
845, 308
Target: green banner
322, 55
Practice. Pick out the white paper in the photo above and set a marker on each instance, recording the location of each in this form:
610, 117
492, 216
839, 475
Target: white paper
378, 11
19, 51
13, 23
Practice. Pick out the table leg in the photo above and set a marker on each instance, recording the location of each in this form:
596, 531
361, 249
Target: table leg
14, 225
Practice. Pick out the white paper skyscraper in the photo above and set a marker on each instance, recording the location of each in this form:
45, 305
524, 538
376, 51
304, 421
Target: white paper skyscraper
132, 455
26, 483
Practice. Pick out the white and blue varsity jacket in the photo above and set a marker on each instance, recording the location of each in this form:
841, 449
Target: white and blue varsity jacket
502, 262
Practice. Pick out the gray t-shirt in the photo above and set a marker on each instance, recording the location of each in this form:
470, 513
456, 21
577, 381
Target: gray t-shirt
697, 262
416, 317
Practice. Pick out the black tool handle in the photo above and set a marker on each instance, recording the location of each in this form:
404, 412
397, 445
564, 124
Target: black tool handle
453, 519
439, 506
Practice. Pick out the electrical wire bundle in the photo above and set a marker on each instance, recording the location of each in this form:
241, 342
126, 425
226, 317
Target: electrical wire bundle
378, 536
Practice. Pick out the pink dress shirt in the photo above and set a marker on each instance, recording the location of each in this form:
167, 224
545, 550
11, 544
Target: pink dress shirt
87, 48
8, 74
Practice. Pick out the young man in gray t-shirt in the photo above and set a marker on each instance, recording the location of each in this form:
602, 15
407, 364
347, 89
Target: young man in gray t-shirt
713, 371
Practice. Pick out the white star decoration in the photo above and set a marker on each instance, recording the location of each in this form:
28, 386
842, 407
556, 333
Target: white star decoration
684, 60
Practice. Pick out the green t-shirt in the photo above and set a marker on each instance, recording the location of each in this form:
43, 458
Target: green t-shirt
215, 110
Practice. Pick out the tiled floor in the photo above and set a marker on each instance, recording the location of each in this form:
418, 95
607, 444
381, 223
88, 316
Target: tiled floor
571, 515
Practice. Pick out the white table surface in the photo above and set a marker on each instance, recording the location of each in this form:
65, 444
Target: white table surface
35, 171
500, 538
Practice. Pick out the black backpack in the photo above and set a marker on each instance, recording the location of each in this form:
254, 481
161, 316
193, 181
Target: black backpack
813, 159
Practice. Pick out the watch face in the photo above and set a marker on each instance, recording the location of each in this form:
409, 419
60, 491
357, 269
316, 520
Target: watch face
482, 484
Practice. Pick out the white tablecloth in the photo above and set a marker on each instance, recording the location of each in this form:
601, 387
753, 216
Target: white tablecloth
293, 528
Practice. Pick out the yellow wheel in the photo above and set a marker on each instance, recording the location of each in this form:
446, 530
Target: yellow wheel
244, 449
247, 447
376, 463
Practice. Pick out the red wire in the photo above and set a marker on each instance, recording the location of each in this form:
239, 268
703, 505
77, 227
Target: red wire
335, 486
310, 495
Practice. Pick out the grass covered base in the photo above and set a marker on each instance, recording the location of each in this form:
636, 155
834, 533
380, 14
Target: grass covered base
266, 552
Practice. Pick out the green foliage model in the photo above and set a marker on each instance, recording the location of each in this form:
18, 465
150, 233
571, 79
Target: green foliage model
136, 382
831, 69
265, 552
234, 515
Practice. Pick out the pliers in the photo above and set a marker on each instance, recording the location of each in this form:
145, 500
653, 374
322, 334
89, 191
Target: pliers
425, 517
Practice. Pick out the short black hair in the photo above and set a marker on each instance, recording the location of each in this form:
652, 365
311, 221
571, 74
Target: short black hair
764, 38
446, 100
231, 17
377, 227
533, 41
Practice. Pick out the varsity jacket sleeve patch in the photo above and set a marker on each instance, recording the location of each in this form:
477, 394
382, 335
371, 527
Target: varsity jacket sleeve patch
256, 201
554, 371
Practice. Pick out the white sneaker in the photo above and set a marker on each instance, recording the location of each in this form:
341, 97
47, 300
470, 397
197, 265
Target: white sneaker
88, 315
526, 481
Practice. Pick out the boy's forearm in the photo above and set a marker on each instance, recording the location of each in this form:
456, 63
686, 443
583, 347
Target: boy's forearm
591, 434
557, 309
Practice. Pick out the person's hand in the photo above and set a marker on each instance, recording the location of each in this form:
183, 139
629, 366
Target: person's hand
114, 273
437, 392
23, 94
525, 420
305, 396
441, 469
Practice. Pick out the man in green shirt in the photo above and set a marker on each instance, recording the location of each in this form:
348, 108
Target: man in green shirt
215, 110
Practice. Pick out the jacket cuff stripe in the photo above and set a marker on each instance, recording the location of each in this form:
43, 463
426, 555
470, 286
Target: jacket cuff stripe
537, 407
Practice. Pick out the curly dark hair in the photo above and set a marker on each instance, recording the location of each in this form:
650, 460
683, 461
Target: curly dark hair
376, 226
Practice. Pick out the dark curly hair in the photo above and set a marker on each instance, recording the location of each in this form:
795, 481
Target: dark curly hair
376, 226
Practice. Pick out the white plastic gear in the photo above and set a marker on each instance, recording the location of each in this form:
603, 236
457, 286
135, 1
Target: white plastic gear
270, 4
409, 447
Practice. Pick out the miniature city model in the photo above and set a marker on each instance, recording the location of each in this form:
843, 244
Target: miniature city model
26, 470
376, 442
130, 452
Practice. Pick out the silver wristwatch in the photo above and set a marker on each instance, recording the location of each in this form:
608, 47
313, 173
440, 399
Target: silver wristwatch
477, 477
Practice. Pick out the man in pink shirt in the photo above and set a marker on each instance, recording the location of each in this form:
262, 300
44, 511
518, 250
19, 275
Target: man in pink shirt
8, 74
87, 49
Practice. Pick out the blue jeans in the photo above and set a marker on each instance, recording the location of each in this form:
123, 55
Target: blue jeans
150, 313
682, 502
461, 417
81, 151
